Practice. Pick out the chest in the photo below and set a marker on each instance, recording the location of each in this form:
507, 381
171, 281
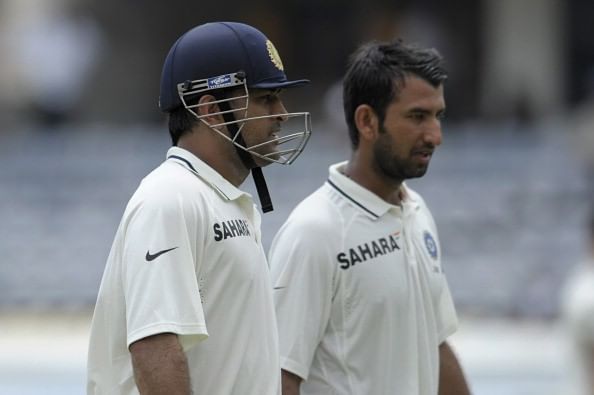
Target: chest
229, 253
390, 262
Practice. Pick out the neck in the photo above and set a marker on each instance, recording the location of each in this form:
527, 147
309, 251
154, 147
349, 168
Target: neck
361, 170
216, 152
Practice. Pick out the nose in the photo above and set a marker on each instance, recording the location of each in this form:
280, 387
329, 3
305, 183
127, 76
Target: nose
281, 112
433, 133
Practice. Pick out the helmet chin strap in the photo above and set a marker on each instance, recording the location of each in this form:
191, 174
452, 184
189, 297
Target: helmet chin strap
247, 159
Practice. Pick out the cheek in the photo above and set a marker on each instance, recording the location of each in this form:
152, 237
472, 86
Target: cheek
387, 147
254, 130
397, 137
405, 136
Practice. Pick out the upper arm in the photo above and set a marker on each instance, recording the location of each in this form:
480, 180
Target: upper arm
151, 347
451, 376
290, 383
445, 352
445, 310
162, 294
160, 365
304, 278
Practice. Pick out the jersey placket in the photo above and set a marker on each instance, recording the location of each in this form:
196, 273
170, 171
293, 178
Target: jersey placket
407, 235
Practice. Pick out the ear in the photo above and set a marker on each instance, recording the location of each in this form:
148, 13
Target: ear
367, 122
208, 110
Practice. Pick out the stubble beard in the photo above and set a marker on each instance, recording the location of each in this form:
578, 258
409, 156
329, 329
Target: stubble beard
391, 166
270, 151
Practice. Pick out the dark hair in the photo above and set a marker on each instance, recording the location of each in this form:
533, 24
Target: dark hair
180, 122
376, 72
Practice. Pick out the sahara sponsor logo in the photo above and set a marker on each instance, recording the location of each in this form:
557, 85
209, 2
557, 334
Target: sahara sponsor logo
367, 251
231, 228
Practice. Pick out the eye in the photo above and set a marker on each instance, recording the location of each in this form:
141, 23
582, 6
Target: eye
418, 116
269, 98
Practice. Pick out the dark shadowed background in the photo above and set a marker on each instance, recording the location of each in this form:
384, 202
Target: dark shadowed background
509, 188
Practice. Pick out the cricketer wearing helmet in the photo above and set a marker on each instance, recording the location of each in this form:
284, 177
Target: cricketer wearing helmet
185, 302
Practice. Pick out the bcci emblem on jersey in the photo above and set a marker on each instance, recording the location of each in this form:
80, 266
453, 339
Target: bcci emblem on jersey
430, 244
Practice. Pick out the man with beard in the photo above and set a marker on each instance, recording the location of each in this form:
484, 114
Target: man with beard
362, 303
185, 304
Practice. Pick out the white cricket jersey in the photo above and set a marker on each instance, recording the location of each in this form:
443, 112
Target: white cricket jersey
578, 316
187, 258
362, 302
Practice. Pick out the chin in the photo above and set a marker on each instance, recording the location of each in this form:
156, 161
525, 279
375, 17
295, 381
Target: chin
421, 172
275, 155
263, 162
416, 173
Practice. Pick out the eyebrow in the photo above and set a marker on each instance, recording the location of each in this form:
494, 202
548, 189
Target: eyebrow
419, 109
424, 110
266, 91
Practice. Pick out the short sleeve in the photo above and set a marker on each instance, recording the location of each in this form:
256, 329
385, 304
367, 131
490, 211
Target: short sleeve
446, 318
445, 311
159, 272
302, 274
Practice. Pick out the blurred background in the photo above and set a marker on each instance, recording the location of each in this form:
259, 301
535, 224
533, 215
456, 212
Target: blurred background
510, 188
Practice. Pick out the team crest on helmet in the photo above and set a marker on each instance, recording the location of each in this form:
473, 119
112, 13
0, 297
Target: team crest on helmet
430, 244
274, 56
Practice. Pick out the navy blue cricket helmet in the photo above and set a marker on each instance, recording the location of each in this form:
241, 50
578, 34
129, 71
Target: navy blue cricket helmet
220, 48
222, 55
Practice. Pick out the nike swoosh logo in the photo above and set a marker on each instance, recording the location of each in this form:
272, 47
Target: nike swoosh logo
279, 287
151, 257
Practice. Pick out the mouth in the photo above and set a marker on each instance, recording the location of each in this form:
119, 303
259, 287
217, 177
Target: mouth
424, 154
274, 137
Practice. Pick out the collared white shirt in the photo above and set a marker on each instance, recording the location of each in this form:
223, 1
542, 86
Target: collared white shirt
187, 258
577, 303
362, 302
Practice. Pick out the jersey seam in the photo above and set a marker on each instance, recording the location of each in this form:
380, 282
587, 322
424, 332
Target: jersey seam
197, 174
187, 162
359, 205
297, 368
447, 332
133, 336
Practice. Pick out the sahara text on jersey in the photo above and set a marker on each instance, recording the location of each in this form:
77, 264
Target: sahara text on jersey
231, 228
368, 250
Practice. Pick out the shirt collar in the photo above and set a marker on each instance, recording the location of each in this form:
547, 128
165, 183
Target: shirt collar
206, 173
369, 203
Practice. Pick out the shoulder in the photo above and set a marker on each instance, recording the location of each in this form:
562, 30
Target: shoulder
419, 201
314, 223
170, 188
317, 213
171, 178
415, 197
